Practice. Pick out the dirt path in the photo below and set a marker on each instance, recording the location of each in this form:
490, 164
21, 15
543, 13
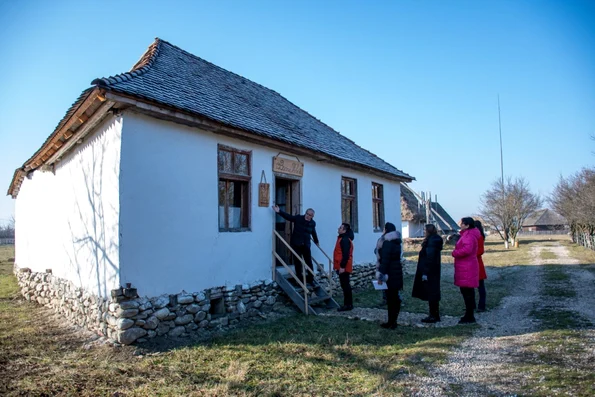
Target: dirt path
483, 365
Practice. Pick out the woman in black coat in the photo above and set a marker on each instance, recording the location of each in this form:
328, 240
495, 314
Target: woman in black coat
391, 272
426, 285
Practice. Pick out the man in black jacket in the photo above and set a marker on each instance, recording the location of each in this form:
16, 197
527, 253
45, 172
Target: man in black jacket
304, 227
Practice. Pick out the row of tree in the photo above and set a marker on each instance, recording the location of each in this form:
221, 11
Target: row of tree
574, 199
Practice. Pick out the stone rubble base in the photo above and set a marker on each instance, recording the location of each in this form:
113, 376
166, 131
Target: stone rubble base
127, 320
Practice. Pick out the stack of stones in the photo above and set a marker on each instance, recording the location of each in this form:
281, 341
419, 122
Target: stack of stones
361, 278
78, 306
127, 318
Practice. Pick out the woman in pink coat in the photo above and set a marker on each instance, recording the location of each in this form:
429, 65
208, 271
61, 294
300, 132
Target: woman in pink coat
467, 266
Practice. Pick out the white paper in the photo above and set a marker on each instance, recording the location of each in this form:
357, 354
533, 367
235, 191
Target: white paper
379, 286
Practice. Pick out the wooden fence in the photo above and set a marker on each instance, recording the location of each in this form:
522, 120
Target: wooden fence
543, 232
6, 241
585, 239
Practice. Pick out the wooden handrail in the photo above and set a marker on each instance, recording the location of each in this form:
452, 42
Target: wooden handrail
324, 253
301, 283
330, 268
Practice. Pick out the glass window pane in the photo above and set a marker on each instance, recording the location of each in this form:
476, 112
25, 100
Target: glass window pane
234, 205
241, 164
222, 204
224, 161
345, 211
375, 215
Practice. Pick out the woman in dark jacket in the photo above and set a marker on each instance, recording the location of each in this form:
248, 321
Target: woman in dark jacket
390, 270
426, 285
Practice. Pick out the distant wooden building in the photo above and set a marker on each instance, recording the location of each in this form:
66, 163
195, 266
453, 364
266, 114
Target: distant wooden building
545, 220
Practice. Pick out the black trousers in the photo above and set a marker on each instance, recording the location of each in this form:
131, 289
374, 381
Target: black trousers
469, 297
304, 251
394, 305
482, 295
346, 287
434, 308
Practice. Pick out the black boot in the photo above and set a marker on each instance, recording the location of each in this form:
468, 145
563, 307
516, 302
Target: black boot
394, 308
434, 316
469, 297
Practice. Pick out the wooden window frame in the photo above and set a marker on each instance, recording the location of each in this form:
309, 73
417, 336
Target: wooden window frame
246, 194
349, 198
378, 224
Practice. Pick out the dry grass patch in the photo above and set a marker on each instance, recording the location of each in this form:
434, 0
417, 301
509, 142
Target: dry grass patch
584, 255
298, 355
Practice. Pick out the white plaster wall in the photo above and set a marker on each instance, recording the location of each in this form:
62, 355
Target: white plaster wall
170, 239
68, 221
405, 229
413, 229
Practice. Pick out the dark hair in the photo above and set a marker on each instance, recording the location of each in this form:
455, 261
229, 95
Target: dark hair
479, 226
389, 227
431, 228
468, 221
347, 226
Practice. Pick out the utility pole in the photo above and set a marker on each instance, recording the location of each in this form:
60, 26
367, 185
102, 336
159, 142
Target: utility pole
502, 167
501, 156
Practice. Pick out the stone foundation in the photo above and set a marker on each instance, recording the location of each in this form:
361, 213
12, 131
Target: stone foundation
126, 318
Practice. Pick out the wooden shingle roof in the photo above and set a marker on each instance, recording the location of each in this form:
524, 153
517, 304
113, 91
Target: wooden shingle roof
171, 76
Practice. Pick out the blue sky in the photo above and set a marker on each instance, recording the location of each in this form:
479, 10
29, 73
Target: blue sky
415, 82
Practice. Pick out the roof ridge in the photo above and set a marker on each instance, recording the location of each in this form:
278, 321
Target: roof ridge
148, 58
141, 66
219, 67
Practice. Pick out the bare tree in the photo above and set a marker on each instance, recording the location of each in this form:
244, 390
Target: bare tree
506, 206
574, 199
7, 230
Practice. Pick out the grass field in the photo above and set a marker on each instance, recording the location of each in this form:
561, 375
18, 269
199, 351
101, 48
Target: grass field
296, 355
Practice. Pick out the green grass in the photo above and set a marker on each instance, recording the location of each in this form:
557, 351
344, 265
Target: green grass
556, 318
451, 303
8, 283
547, 255
558, 364
557, 285
297, 355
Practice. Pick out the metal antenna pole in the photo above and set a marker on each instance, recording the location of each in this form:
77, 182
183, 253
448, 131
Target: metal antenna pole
501, 156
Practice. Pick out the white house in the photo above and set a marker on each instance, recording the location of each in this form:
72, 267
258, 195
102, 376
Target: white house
152, 178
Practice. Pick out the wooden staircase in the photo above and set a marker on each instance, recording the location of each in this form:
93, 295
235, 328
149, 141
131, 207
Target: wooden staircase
311, 299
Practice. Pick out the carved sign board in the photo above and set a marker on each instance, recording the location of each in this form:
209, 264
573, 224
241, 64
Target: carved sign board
263, 194
287, 166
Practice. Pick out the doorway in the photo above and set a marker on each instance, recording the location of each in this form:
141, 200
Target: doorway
287, 197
